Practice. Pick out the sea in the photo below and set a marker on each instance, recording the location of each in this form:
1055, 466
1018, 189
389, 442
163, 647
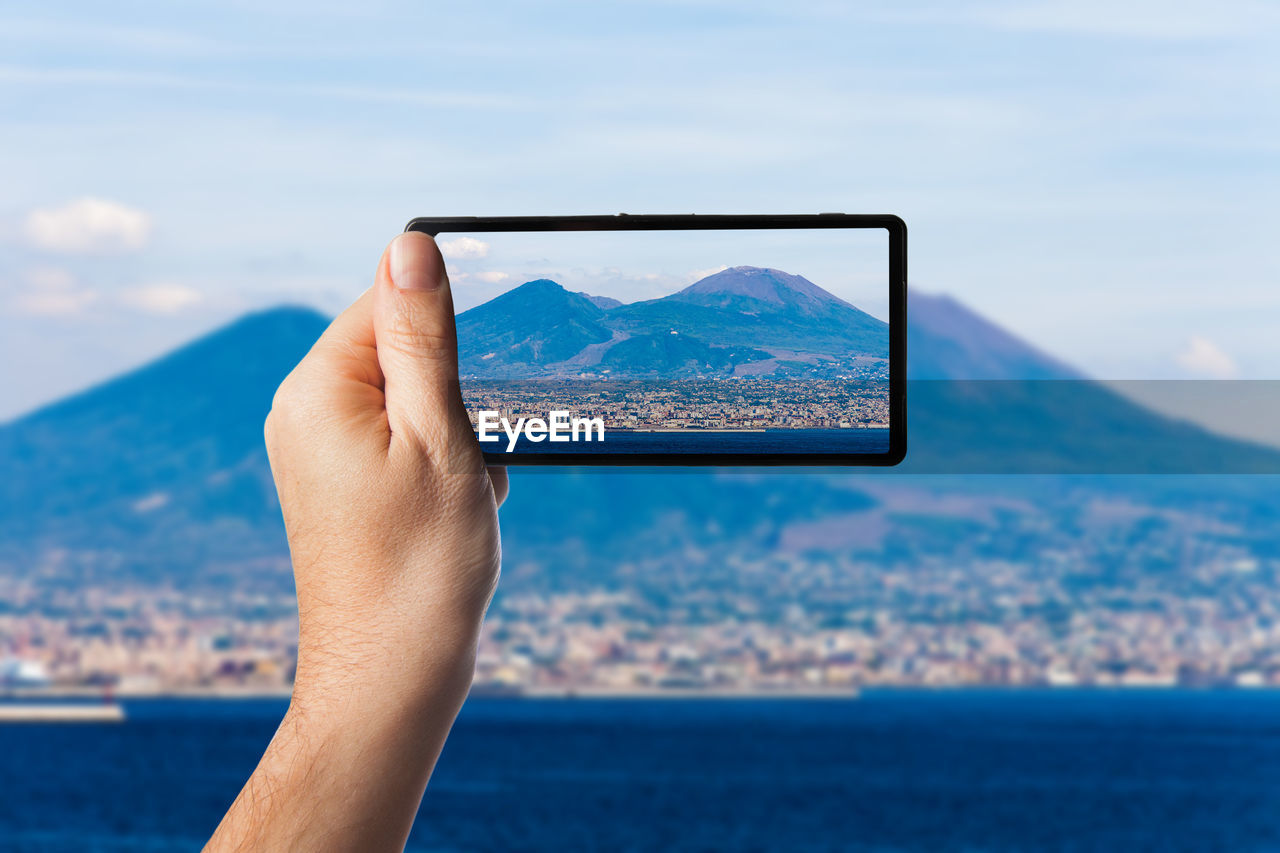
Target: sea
967, 770
870, 440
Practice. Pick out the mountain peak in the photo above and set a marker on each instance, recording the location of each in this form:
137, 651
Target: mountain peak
164, 428
761, 283
756, 290
538, 287
258, 349
947, 340
537, 323
538, 295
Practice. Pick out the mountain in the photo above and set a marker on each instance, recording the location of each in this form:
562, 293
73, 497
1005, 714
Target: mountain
673, 355
603, 302
765, 308
945, 340
163, 465
978, 403
160, 477
199, 408
757, 290
536, 324
978, 397
769, 319
1034, 426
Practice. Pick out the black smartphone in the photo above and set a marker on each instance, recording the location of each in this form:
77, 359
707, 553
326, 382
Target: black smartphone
681, 340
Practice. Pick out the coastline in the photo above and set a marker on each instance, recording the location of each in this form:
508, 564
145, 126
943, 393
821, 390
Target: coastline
88, 696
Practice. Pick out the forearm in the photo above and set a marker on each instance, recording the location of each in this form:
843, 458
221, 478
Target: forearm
347, 768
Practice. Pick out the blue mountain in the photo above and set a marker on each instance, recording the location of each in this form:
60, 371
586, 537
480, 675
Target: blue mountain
765, 308
760, 290
603, 302
159, 476
536, 324
163, 465
672, 355
945, 340
767, 318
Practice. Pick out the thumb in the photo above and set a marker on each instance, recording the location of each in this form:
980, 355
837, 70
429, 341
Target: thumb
417, 343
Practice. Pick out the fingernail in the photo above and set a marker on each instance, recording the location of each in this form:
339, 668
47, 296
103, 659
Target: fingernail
413, 268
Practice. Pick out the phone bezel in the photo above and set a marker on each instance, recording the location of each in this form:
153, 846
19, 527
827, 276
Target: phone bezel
894, 225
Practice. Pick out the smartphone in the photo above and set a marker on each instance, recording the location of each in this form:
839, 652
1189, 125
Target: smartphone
681, 340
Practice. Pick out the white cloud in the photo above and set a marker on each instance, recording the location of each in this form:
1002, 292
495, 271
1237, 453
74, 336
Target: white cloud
488, 277
53, 292
698, 275
464, 249
1202, 357
88, 225
57, 303
161, 298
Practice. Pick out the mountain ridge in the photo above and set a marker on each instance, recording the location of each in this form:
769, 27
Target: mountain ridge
738, 316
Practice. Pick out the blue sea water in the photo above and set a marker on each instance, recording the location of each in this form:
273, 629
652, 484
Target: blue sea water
710, 441
889, 771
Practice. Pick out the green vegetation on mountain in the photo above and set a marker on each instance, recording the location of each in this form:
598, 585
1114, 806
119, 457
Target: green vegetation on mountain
675, 355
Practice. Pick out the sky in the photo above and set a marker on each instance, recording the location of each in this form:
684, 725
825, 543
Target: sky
630, 266
1100, 177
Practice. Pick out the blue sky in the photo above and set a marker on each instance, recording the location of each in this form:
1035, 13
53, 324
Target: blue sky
852, 264
1100, 177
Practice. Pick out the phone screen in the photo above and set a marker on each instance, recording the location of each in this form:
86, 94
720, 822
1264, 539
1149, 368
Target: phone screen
674, 344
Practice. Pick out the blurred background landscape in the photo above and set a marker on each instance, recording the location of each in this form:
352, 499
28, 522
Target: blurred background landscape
192, 192
144, 549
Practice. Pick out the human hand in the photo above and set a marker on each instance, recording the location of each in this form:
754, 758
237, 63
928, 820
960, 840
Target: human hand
390, 512
392, 524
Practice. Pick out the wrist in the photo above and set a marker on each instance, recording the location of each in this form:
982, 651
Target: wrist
351, 679
346, 768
